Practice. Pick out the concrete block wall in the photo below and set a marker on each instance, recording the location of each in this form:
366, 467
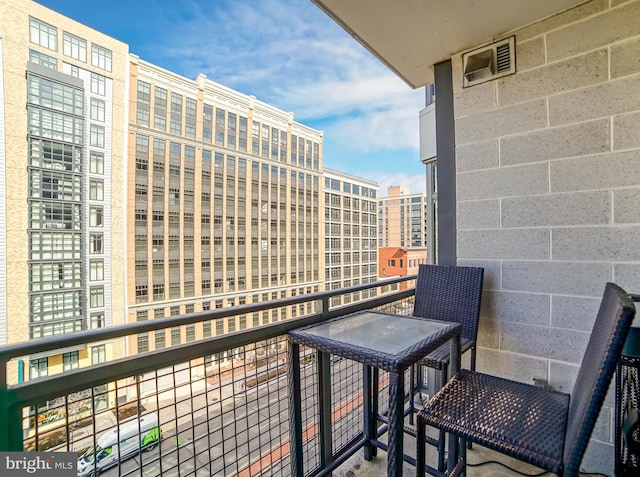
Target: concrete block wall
548, 193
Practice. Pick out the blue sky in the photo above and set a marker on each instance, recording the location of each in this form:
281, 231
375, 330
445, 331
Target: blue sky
289, 54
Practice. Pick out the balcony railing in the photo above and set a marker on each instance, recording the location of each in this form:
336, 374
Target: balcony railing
221, 402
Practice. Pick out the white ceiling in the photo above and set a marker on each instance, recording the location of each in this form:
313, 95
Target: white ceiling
409, 36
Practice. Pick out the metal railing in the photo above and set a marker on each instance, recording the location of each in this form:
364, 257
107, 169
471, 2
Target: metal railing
221, 402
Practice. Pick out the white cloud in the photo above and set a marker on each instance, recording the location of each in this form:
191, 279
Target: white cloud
289, 54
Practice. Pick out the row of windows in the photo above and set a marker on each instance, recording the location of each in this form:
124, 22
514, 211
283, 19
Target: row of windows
98, 83
236, 167
55, 185
334, 214
186, 289
350, 188
188, 266
333, 258
350, 271
49, 94
228, 130
345, 203
343, 243
53, 125
46, 35
39, 367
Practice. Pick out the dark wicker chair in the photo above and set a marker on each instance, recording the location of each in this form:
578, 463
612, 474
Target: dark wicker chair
545, 428
448, 293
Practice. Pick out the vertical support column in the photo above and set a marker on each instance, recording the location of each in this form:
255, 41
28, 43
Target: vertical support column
454, 356
369, 416
324, 405
295, 407
11, 433
446, 153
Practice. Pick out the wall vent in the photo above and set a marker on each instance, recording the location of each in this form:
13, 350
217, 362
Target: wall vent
489, 62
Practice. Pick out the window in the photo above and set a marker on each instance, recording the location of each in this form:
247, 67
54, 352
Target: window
55, 125
144, 92
142, 117
43, 60
98, 354
175, 336
43, 34
74, 47
97, 321
96, 136
96, 270
98, 84
176, 103
38, 368
158, 291
159, 122
143, 343
96, 190
96, 162
97, 110
95, 217
160, 339
190, 332
100, 57
70, 361
96, 297
142, 293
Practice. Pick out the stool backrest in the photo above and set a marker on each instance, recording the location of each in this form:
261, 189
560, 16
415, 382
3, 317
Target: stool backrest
450, 293
600, 359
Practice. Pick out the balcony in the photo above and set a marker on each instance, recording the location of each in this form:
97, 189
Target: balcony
222, 402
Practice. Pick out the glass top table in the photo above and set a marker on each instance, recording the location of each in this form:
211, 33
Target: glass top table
378, 340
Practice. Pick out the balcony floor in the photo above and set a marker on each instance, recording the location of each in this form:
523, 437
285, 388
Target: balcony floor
356, 466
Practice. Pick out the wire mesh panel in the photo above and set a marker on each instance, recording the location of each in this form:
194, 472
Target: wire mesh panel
347, 401
310, 411
217, 415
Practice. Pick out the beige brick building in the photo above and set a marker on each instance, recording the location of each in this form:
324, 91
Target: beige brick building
402, 218
351, 231
224, 205
62, 142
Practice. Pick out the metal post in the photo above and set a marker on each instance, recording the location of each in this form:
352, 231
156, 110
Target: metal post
324, 408
454, 353
11, 434
295, 405
369, 416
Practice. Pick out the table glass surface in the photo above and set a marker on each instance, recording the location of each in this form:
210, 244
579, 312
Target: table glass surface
379, 332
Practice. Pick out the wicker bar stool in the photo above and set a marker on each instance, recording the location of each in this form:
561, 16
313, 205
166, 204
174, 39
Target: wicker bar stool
448, 293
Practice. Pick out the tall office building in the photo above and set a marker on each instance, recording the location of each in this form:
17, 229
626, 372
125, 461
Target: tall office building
62, 142
224, 208
351, 231
403, 219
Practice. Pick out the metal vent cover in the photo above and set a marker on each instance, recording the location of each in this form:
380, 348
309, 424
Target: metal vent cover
489, 62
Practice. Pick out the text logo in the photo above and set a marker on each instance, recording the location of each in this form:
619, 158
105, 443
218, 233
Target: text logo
49, 464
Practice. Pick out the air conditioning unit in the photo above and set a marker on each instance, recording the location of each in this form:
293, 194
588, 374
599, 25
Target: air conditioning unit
489, 62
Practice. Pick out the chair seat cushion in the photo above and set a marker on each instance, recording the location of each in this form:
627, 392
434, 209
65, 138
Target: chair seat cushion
517, 419
439, 359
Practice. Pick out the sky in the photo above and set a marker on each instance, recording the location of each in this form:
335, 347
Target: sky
286, 53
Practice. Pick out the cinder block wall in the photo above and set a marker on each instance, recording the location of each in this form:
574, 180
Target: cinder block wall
548, 191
